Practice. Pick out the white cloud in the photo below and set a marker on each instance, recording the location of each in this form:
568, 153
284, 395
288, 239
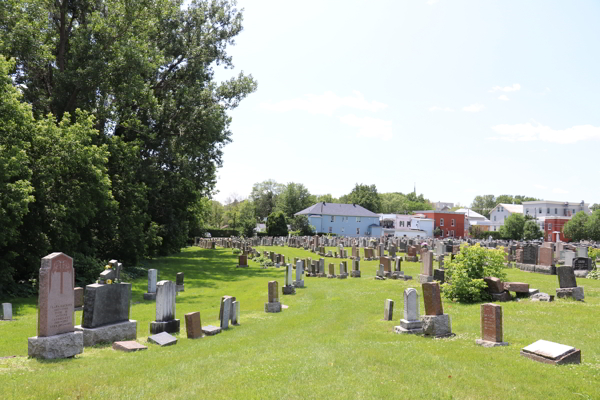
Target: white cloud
538, 186
535, 131
369, 127
435, 108
474, 108
559, 191
503, 97
515, 87
326, 103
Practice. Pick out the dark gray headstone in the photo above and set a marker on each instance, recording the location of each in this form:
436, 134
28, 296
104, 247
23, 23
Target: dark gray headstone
566, 277
106, 304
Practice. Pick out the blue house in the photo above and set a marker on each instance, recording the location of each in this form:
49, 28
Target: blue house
342, 219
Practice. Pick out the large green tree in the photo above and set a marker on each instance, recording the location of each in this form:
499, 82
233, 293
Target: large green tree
293, 198
276, 225
531, 230
264, 197
575, 229
484, 204
153, 121
513, 227
365, 196
592, 226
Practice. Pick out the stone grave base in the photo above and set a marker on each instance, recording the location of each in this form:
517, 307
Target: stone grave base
171, 326
411, 258
574, 292
149, 296
241, 266
397, 274
288, 289
342, 276
355, 274
570, 358
321, 275
414, 327
298, 284
540, 269
126, 330
438, 326
581, 273
273, 307
487, 343
210, 330
425, 278
57, 346
179, 288
128, 346
380, 278
504, 296
331, 276
530, 293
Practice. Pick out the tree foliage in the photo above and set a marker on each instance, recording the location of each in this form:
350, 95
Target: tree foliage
276, 225
398, 203
531, 230
301, 224
513, 227
264, 197
125, 176
365, 196
464, 275
293, 198
575, 229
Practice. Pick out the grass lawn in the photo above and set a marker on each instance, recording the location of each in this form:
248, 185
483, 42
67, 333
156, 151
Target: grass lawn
330, 343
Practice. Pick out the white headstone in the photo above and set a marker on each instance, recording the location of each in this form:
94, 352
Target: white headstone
299, 270
235, 312
165, 300
288, 275
411, 304
7, 311
152, 276
226, 311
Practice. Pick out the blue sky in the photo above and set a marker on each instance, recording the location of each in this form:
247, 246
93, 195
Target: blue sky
461, 97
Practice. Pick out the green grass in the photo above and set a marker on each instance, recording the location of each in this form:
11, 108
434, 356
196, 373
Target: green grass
331, 343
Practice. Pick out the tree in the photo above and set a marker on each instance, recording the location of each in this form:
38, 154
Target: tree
531, 230
464, 275
365, 196
592, 226
594, 207
484, 204
142, 72
247, 218
520, 199
276, 225
264, 197
293, 198
437, 231
217, 214
301, 223
513, 227
505, 199
575, 228
326, 198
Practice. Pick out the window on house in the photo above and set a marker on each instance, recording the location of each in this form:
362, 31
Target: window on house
330, 229
400, 224
441, 221
452, 234
556, 211
452, 222
342, 229
540, 210
494, 217
358, 231
527, 211
548, 210
549, 227
357, 219
549, 237
333, 218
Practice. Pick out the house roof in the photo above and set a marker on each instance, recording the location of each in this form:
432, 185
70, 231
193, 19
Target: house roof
346, 210
512, 208
470, 213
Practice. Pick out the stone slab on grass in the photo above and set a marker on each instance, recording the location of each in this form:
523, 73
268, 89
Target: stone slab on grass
552, 353
163, 339
128, 346
210, 330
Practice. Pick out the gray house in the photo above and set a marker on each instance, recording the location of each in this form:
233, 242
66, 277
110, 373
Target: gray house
342, 219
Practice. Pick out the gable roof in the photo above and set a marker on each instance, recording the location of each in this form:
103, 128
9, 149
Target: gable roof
470, 213
512, 208
346, 210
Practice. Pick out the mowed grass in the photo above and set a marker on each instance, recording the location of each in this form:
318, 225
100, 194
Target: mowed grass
331, 343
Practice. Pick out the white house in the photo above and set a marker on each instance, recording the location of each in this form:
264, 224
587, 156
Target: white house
502, 211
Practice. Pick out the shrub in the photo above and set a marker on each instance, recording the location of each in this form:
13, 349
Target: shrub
214, 232
594, 274
464, 274
276, 224
237, 251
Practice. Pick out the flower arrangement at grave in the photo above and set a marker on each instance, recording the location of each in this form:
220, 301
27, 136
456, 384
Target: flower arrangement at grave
109, 281
108, 266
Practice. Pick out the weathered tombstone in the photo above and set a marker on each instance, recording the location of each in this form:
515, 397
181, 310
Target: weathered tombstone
299, 282
165, 309
552, 353
242, 261
426, 274
331, 271
530, 253
163, 338
78, 298
355, 273
7, 311
56, 337
193, 325
128, 346
288, 288
343, 272
568, 284
411, 322
435, 322
235, 313
273, 305
491, 326
226, 303
388, 313
152, 277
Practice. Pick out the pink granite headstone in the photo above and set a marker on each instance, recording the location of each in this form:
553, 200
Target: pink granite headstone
56, 298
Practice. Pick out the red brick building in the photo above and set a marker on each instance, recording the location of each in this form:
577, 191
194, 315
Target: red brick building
554, 224
451, 223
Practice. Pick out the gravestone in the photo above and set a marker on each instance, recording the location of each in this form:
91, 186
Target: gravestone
163, 338
78, 298
56, 337
552, 353
411, 322
343, 271
530, 253
426, 274
165, 309
7, 311
331, 271
235, 313
288, 288
355, 273
226, 306
242, 261
299, 282
105, 316
273, 305
491, 326
388, 313
546, 256
128, 346
193, 325
152, 277
435, 322
568, 284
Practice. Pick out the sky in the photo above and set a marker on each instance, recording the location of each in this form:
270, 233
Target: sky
460, 98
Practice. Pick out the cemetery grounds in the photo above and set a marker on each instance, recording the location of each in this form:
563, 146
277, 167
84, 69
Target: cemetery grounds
331, 343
